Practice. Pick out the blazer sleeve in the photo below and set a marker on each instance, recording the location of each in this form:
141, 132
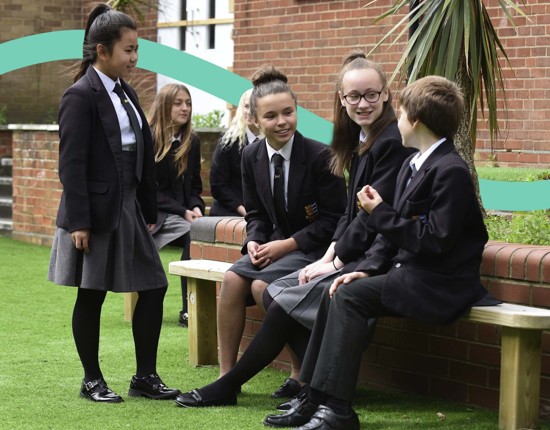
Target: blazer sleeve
387, 158
430, 222
221, 176
75, 131
331, 203
194, 170
259, 226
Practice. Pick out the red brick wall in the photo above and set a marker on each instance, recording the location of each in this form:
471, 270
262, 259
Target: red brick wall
461, 361
308, 39
32, 93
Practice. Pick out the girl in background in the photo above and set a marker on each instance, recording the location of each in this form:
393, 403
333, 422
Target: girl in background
178, 163
225, 169
107, 170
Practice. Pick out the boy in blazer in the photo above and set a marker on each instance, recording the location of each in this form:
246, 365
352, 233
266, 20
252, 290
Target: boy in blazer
424, 264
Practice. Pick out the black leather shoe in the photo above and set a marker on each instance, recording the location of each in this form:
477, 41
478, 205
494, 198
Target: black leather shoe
98, 391
325, 418
183, 319
285, 406
294, 417
151, 387
193, 399
293, 402
290, 388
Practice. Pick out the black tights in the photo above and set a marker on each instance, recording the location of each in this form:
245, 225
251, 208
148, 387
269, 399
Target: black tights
146, 325
277, 330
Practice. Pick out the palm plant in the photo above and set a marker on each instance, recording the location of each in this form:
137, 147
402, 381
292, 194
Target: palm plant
455, 39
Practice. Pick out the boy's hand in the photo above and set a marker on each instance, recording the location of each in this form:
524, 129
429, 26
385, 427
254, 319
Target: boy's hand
345, 279
368, 198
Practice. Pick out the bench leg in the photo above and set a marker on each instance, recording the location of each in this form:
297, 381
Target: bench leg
520, 378
130, 300
202, 331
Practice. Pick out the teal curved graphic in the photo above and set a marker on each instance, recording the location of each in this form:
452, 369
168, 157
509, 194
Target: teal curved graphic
179, 65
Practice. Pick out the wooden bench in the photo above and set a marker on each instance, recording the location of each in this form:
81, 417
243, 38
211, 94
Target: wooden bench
521, 340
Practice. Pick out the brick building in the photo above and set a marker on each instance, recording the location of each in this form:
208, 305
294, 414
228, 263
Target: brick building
308, 39
32, 94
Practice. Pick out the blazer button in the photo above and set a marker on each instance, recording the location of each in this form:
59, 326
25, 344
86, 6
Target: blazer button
398, 265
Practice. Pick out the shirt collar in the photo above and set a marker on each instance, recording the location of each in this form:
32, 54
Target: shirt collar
250, 136
285, 151
419, 158
108, 83
363, 136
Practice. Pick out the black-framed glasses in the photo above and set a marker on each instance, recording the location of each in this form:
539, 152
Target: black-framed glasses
369, 96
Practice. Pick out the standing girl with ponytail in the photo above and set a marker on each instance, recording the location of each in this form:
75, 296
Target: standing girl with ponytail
107, 170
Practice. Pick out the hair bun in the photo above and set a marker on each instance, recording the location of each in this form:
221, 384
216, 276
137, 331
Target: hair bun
357, 53
268, 74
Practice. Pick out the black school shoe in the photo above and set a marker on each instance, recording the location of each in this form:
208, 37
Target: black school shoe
98, 391
151, 387
183, 320
290, 388
325, 418
193, 399
294, 417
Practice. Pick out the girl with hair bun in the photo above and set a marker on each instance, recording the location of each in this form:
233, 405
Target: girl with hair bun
367, 144
107, 169
225, 170
293, 203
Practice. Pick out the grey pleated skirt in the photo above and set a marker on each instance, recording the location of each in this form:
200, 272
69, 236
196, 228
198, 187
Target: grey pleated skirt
282, 267
301, 302
173, 227
123, 260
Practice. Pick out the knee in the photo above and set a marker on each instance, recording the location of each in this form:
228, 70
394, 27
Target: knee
257, 288
234, 289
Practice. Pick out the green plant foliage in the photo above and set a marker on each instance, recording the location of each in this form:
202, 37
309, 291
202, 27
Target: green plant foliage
3, 118
529, 228
513, 174
212, 119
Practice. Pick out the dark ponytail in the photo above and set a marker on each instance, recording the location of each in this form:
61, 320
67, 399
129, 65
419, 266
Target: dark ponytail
102, 27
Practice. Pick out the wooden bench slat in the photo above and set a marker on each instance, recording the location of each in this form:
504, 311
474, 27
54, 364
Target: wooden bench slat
200, 269
512, 315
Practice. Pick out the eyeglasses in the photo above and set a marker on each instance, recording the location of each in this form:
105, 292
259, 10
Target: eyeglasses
370, 97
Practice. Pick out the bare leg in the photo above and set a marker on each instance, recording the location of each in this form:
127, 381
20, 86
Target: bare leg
231, 318
258, 287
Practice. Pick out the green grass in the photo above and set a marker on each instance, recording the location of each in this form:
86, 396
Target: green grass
40, 372
512, 174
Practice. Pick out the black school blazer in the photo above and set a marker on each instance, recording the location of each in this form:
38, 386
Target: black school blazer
226, 185
431, 241
176, 194
316, 197
379, 167
90, 153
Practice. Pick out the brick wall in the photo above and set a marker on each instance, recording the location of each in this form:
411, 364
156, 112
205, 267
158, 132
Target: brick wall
309, 39
460, 362
32, 94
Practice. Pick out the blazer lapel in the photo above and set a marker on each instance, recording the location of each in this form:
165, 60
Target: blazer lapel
263, 180
443, 149
296, 174
106, 111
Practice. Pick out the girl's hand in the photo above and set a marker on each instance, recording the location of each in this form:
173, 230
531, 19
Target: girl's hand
345, 279
260, 262
190, 215
197, 212
314, 270
241, 210
276, 249
368, 198
150, 227
81, 240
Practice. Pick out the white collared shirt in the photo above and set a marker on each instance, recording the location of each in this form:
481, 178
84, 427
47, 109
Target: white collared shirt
285, 152
127, 132
250, 136
419, 158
